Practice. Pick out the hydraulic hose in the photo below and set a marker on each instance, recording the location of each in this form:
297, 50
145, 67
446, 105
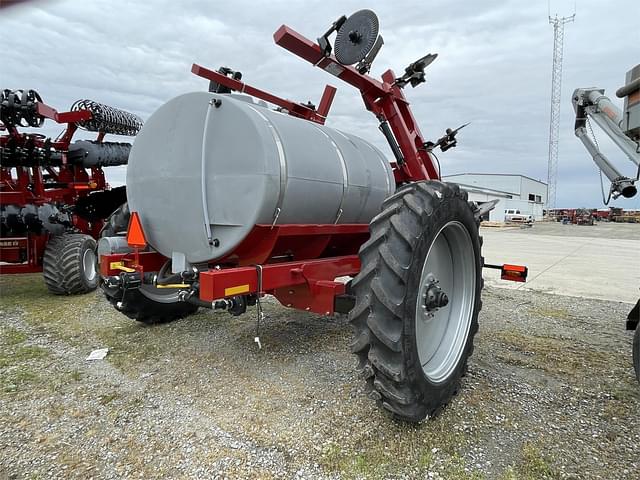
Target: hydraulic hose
173, 278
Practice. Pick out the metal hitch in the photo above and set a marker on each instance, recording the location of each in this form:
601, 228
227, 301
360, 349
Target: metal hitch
124, 281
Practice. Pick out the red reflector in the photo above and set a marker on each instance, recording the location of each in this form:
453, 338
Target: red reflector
515, 273
135, 234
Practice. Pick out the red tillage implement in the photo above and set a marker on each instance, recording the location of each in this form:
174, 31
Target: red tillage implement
53, 193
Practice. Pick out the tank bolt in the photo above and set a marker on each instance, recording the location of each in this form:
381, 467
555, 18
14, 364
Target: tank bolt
216, 242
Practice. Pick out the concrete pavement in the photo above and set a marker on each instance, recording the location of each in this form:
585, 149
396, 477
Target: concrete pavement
566, 264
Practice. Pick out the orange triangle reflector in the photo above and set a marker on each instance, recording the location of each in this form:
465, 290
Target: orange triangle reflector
135, 234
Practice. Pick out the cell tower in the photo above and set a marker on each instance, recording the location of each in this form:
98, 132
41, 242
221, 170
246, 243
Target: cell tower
556, 91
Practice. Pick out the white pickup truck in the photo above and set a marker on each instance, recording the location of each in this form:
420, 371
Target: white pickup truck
514, 216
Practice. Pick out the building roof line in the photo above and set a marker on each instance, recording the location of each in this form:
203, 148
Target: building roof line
496, 174
477, 188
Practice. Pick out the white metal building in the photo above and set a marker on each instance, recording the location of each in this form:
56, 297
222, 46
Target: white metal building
514, 192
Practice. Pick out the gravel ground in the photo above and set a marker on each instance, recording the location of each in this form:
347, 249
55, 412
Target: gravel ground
550, 394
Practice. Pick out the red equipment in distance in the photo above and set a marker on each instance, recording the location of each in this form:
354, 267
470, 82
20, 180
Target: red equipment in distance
28, 186
53, 194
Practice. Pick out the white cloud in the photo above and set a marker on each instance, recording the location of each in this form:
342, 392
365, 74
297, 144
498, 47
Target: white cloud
493, 69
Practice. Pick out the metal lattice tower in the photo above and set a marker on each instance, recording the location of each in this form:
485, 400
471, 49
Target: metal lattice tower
556, 91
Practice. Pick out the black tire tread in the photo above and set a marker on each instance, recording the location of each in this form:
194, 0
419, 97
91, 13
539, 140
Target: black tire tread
636, 352
379, 289
62, 264
132, 303
117, 223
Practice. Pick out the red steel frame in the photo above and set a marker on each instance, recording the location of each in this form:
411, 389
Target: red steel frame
299, 264
384, 99
21, 186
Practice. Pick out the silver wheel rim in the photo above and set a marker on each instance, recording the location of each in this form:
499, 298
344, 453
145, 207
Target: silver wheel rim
441, 333
89, 264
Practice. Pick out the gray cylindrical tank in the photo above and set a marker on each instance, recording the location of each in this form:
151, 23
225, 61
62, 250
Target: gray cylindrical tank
206, 168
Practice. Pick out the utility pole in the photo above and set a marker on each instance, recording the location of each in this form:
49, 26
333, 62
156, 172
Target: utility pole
556, 91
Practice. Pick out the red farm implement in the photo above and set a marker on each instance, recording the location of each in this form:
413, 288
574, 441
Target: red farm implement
53, 193
271, 201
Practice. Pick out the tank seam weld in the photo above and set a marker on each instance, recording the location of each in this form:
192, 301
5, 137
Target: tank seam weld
283, 165
345, 174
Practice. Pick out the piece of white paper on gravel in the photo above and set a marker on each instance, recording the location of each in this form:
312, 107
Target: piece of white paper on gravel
98, 354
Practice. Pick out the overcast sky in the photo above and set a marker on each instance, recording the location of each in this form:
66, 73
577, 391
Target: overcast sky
493, 68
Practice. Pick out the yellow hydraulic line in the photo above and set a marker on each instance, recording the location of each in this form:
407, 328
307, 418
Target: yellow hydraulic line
120, 266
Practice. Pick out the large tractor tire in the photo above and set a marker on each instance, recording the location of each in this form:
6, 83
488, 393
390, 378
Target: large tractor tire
148, 305
418, 299
633, 322
117, 223
69, 264
636, 352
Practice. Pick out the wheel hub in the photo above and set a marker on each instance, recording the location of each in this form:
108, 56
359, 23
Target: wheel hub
434, 298
355, 37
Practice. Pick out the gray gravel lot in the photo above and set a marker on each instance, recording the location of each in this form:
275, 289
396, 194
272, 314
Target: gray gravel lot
550, 394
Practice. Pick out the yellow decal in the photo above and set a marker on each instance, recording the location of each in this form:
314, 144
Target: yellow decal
120, 266
236, 290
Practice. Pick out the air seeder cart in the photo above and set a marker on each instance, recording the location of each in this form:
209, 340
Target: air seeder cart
231, 200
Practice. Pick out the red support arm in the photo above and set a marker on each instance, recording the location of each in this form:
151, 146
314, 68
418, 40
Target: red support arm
62, 117
326, 100
310, 51
384, 99
294, 109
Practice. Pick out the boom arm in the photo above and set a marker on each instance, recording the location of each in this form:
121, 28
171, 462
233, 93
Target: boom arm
591, 103
384, 99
